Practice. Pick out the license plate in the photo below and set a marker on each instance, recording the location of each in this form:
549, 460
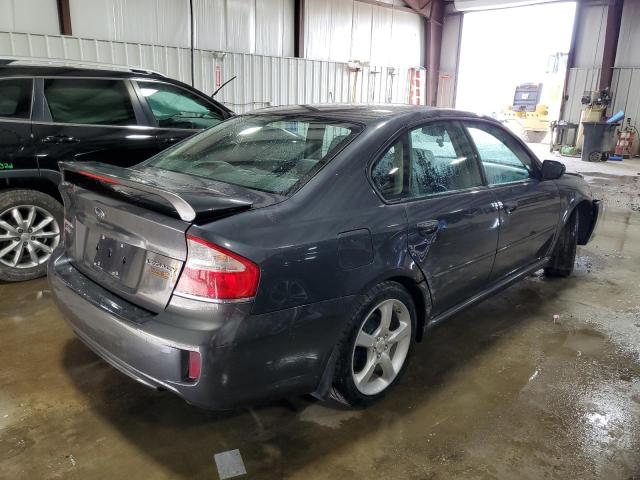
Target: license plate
113, 256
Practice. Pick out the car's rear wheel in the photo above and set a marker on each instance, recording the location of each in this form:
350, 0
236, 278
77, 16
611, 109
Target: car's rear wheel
376, 346
30, 226
564, 255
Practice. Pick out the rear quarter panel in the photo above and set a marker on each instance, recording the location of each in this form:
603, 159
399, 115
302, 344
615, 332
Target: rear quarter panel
313, 246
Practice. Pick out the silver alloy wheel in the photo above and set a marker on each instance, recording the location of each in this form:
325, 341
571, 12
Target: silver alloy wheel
28, 235
381, 347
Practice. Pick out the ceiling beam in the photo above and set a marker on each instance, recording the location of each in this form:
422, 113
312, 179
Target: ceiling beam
298, 28
612, 32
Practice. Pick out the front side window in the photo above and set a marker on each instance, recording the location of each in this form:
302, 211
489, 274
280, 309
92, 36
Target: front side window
88, 101
503, 159
174, 107
270, 153
15, 98
441, 160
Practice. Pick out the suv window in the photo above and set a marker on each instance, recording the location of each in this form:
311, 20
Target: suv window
87, 101
503, 159
441, 160
15, 98
174, 107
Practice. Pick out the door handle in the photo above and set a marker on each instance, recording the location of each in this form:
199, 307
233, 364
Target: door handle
509, 206
428, 227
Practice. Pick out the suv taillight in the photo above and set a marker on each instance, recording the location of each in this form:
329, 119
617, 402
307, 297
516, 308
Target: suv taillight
214, 273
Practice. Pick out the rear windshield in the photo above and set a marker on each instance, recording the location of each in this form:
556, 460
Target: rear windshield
268, 153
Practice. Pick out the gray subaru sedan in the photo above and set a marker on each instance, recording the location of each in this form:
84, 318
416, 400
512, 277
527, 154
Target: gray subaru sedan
305, 249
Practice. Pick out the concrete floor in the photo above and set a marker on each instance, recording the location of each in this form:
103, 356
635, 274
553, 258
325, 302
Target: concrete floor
500, 391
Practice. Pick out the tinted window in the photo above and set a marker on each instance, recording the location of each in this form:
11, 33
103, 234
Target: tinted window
269, 153
174, 107
387, 172
103, 102
441, 160
503, 159
15, 98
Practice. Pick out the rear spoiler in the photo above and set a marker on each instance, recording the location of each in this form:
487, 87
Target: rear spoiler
191, 202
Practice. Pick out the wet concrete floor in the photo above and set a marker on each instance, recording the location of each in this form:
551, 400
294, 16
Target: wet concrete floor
500, 391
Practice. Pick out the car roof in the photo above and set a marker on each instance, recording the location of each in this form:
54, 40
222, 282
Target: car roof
13, 70
367, 113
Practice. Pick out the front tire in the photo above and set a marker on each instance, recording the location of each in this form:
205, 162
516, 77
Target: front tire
30, 226
376, 346
564, 254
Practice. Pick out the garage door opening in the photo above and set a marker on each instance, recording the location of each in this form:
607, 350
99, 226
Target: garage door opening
523, 48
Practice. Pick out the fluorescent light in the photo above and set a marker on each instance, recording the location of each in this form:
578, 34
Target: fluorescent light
138, 137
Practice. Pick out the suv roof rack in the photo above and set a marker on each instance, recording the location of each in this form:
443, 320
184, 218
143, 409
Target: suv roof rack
48, 62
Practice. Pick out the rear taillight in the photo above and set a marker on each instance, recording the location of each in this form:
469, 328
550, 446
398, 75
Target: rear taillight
214, 273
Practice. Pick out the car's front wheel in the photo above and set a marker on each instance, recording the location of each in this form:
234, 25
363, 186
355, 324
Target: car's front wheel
376, 346
564, 254
30, 226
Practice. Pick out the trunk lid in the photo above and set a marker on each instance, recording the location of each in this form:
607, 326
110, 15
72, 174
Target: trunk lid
126, 228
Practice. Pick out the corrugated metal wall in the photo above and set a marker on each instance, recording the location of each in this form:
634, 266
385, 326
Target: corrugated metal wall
349, 30
18, 16
626, 74
255, 26
588, 58
449, 50
262, 80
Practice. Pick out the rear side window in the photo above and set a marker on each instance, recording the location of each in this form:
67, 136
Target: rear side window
441, 160
388, 172
87, 101
271, 153
15, 98
174, 107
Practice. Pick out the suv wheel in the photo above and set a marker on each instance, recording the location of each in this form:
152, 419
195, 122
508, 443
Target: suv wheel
30, 223
375, 349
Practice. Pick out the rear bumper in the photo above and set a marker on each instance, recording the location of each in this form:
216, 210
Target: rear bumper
245, 358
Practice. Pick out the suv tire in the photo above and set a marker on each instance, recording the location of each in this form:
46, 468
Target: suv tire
374, 352
30, 227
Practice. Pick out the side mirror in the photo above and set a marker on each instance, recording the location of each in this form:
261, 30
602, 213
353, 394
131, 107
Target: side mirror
552, 170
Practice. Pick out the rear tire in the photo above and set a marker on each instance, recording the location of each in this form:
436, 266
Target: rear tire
564, 254
376, 346
30, 227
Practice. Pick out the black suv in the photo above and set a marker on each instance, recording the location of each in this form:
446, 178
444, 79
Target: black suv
48, 114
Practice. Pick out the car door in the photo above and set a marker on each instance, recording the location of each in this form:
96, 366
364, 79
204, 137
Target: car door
452, 217
176, 112
16, 146
530, 208
91, 119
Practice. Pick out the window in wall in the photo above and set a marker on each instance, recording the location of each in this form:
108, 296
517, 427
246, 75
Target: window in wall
15, 98
93, 102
